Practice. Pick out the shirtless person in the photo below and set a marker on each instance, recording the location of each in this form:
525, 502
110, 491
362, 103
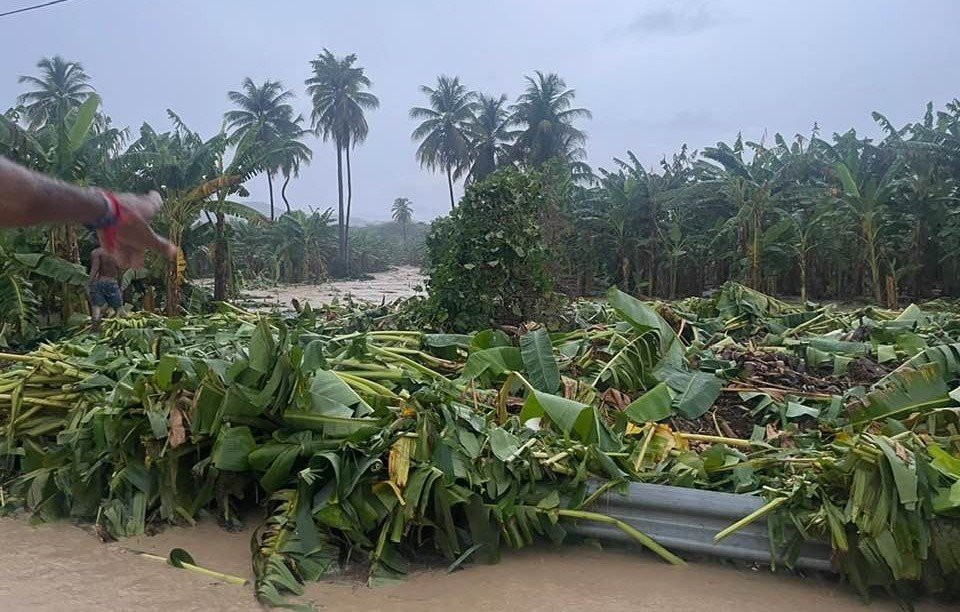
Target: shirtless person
104, 286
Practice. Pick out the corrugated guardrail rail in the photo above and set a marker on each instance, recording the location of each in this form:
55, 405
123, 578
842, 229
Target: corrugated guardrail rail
686, 520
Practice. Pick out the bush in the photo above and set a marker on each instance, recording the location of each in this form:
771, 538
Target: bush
485, 262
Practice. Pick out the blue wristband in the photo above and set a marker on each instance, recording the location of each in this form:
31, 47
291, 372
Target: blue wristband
108, 219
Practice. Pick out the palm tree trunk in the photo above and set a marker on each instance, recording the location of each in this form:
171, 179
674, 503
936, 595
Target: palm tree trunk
652, 268
283, 191
346, 227
873, 260
875, 272
803, 278
921, 278
450, 185
270, 185
625, 272
755, 254
72, 254
220, 259
340, 219
673, 276
173, 289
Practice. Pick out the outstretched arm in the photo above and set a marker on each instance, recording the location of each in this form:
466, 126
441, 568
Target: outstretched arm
30, 198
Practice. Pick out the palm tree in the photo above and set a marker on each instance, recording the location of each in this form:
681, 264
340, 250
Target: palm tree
445, 144
337, 89
402, 213
489, 133
264, 111
545, 118
61, 87
290, 153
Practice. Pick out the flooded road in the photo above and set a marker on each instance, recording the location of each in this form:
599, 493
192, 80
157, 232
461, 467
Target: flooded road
59, 567
388, 286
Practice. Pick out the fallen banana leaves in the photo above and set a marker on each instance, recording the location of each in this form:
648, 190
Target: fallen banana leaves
372, 445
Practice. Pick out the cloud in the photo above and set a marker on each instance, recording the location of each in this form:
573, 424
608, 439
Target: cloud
676, 19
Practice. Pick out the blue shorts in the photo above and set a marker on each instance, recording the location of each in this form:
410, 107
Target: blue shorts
105, 293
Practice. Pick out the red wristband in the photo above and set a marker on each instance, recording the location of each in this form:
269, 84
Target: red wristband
108, 234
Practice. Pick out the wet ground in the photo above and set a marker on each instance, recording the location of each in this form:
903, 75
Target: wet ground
59, 567
388, 286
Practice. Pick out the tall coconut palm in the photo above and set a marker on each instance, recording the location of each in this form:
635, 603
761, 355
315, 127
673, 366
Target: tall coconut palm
402, 213
489, 133
444, 144
61, 87
337, 89
264, 111
544, 114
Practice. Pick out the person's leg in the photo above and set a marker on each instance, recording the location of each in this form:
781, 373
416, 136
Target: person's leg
97, 302
113, 297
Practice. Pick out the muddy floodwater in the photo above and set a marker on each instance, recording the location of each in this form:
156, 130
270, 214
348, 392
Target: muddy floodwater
386, 287
60, 567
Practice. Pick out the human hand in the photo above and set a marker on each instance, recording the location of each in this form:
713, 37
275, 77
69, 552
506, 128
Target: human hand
134, 234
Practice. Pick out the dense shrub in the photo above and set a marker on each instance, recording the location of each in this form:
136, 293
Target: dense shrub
485, 262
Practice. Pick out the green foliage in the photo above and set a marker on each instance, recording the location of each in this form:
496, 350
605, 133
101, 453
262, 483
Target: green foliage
442, 133
25, 280
375, 445
546, 115
265, 117
486, 260
537, 354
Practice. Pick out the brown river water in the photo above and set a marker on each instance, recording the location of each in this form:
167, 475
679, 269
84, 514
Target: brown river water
386, 287
60, 567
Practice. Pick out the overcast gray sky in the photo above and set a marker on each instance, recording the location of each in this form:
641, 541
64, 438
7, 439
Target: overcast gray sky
655, 73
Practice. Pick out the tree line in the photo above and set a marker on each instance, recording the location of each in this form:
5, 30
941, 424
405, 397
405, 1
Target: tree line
822, 218
839, 217
819, 218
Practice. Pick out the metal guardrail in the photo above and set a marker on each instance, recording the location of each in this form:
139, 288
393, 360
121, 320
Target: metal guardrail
686, 520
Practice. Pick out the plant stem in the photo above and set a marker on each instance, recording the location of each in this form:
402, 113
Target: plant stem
759, 513
631, 531
716, 439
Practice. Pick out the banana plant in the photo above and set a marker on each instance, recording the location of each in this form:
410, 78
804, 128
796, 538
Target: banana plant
194, 177
22, 278
867, 178
68, 147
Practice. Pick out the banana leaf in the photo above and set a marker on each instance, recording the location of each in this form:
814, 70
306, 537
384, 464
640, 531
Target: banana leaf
570, 416
643, 319
538, 360
695, 391
908, 391
654, 405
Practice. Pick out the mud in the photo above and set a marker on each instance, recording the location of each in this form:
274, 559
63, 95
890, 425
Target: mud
386, 287
59, 567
